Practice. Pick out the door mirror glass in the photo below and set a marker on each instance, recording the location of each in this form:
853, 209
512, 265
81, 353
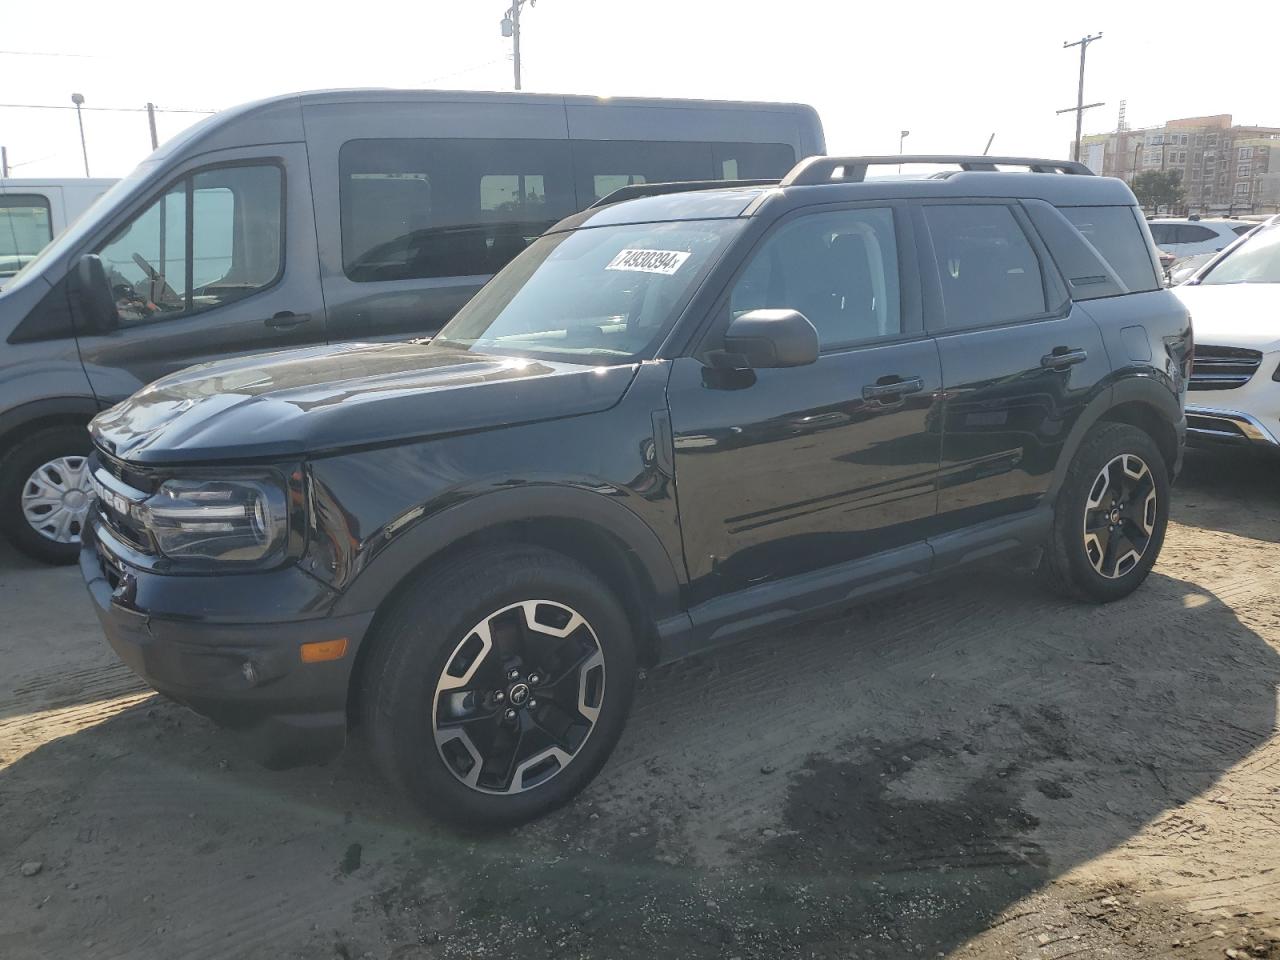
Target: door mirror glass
760, 339
91, 296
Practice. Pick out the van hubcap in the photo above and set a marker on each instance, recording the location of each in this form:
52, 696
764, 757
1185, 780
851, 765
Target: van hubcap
1120, 516
519, 696
56, 498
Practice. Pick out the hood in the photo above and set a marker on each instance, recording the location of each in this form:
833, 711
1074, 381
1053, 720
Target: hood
299, 402
1234, 314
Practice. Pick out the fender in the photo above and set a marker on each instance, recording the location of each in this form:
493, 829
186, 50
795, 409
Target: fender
1144, 388
397, 559
20, 416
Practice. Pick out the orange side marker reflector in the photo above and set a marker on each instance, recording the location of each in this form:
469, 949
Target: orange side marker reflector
323, 650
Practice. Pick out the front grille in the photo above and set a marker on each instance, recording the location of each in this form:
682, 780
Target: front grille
116, 498
1222, 368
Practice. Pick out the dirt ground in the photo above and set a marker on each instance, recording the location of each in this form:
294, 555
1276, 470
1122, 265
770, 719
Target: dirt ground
977, 771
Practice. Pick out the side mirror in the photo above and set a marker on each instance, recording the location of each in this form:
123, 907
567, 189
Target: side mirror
91, 297
760, 339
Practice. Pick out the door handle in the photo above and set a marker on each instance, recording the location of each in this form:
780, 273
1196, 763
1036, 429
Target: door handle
1062, 357
286, 319
895, 387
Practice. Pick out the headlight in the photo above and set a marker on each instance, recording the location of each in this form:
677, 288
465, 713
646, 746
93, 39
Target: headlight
242, 521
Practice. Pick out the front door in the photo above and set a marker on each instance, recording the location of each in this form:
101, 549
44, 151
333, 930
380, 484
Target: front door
220, 262
784, 471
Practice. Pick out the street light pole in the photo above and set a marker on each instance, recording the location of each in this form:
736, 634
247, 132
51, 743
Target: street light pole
901, 137
78, 100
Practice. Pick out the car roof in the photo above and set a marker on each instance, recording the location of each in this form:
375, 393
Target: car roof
729, 201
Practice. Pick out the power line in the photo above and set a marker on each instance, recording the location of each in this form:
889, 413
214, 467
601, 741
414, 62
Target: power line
38, 53
59, 106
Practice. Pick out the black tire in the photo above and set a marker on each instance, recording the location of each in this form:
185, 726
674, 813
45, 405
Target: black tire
16, 469
1072, 565
422, 635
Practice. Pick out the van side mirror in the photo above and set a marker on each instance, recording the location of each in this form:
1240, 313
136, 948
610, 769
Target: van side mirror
760, 339
91, 296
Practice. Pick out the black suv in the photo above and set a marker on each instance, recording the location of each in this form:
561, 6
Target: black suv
689, 412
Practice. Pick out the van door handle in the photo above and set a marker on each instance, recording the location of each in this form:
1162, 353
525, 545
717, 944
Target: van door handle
892, 387
1062, 357
286, 319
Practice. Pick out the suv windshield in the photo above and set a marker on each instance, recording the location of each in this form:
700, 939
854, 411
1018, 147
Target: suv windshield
1257, 260
598, 294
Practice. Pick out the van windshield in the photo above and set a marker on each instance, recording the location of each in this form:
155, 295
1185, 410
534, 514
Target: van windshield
600, 294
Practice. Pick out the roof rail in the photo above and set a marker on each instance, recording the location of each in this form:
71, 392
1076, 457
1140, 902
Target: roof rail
815, 170
634, 190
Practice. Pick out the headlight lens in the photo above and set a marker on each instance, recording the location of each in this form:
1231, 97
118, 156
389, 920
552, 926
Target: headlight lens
242, 521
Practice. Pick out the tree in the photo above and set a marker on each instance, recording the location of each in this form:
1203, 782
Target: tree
1158, 188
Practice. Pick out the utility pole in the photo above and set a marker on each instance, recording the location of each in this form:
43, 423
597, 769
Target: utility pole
151, 120
1081, 106
511, 28
78, 100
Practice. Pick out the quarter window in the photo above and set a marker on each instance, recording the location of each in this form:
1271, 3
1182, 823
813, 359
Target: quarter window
987, 267
159, 267
1115, 234
839, 269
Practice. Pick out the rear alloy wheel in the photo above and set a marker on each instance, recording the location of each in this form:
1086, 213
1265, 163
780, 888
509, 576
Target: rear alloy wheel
497, 684
1120, 516
519, 697
1109, 517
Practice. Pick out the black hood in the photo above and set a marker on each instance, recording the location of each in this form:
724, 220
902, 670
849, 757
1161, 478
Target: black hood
327, 398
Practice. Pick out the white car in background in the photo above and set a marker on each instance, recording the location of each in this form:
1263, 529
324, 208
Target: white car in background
1185, 237
1234, 394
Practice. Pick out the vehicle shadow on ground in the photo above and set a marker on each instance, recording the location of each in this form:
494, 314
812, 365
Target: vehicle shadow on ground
1231, 491
887, 782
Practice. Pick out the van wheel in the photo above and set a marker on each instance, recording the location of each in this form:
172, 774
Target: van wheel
499, 685
1110, 517
45, 493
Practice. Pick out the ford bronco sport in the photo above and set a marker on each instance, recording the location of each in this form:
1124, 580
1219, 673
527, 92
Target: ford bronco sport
687, 413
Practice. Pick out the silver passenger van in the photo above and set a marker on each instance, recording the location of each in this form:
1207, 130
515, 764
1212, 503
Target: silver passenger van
316, 218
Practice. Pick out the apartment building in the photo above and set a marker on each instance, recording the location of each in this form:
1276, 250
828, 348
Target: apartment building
1226, 168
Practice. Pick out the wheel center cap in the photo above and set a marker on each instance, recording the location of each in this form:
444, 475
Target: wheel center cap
1115, 515
518, 695
74, 499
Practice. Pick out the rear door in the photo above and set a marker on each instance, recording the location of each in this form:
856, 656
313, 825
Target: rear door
220, 262
1020, 360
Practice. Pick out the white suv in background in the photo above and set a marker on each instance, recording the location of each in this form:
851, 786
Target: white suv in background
1234, 301
1187, 237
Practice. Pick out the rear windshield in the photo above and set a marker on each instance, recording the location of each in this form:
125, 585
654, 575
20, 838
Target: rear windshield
595, 295
1116, 235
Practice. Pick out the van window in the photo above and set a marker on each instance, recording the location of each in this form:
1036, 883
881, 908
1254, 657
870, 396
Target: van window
25, 227
752, 161
1115, 234
447, 208
603, 166
987, 267
158, 268
839, 269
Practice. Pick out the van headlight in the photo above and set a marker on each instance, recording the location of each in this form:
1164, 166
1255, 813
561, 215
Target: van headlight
233, 521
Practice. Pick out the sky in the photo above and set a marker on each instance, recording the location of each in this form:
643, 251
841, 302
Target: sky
950, 73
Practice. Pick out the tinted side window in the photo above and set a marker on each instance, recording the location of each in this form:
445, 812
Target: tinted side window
159, 269
25, 227
1163, 233
752, 161
445, 208
987, 267
1194, 233
1244, 228
840, 269
1115, 234
603, 166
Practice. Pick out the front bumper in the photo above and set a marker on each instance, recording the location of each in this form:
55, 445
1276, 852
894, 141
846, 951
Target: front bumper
1218, 425
228, 647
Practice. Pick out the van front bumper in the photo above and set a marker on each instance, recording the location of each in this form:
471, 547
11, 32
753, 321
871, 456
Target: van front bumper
233, 655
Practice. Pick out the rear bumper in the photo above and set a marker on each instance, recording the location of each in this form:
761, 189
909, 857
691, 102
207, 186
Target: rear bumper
1216, 425
247, 675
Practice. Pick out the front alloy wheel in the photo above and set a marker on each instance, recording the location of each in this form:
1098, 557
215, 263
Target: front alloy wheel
1120, 516
519, 696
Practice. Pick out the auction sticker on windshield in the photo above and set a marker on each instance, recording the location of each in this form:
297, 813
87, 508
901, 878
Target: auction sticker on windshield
665, 262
